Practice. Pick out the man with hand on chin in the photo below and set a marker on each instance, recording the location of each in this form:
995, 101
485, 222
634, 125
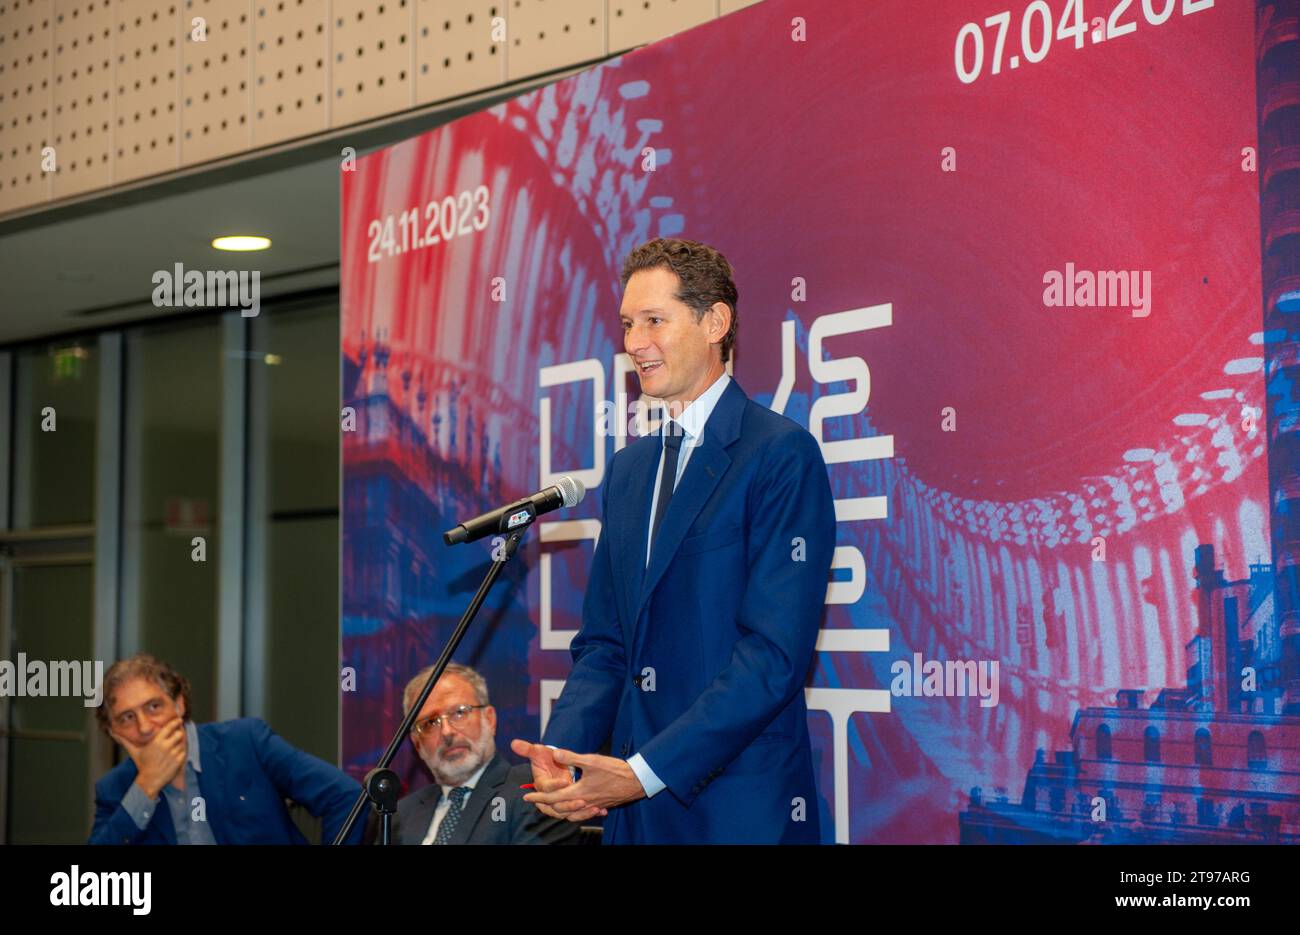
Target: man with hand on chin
705, 596
222, 783
160, 756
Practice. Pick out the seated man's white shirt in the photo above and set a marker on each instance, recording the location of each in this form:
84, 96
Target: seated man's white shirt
444, 804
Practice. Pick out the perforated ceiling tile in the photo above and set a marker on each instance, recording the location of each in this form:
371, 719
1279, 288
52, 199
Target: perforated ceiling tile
547, 34
373, 43
146, 134
216, 75
26, 100
125, 89
83, 85
731, 6
455, 49
637, 22
290, 68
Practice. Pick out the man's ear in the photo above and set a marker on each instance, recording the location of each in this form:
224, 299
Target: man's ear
490, 715
180, 707
719, 322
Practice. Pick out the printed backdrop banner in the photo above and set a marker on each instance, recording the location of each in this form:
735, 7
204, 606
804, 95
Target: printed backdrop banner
1004, 264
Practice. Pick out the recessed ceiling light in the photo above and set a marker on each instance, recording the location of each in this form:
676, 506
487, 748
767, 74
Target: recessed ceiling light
242, 242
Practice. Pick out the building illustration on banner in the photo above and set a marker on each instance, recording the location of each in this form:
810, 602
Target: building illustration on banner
412, 473
1215, 761
1209, 763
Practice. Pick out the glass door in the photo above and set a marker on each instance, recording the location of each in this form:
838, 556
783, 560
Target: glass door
46, 630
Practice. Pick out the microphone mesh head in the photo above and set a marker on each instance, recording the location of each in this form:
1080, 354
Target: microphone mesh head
571, 490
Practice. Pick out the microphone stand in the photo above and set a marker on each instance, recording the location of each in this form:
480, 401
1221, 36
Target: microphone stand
382, 784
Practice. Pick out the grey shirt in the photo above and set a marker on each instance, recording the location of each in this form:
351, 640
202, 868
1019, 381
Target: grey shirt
188, 810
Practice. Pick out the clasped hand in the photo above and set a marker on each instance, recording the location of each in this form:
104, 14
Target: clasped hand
606, 782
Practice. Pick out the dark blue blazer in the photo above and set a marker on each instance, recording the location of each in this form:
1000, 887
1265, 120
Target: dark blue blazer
699, 661
247, 773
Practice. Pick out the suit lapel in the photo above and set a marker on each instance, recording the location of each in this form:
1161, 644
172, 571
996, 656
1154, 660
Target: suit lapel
414, 828
630, 524
484, 791
701, 476
708, 462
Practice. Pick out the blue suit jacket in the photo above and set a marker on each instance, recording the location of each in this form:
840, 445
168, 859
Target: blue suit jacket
247, 773
726, 615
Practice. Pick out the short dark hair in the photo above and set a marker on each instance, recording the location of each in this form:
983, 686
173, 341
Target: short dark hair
142, 666
703, 277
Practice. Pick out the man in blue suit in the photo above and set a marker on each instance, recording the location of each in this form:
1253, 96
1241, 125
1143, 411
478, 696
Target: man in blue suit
223, 783
705, 595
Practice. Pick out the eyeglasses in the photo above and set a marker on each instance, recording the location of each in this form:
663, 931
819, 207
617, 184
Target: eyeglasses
151, 707
456, 715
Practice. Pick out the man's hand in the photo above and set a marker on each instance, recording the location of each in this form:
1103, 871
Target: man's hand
159, 761
606, 782
548, 775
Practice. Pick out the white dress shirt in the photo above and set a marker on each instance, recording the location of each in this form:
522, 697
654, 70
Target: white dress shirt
692, 422
444, 803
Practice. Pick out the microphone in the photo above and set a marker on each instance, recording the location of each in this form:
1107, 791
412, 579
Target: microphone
567, 491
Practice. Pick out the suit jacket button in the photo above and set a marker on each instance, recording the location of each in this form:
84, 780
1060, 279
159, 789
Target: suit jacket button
626, 747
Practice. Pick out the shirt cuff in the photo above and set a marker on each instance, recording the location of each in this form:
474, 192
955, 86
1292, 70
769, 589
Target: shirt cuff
651, 783
139, 806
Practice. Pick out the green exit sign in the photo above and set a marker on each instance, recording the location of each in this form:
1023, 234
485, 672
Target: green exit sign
67, 363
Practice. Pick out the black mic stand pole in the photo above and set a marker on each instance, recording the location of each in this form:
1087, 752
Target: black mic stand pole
382, 784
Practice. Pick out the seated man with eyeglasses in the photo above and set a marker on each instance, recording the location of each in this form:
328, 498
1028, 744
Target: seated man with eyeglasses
475, 797
220, 783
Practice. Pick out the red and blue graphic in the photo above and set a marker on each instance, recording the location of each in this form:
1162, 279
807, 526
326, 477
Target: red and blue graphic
1026, 276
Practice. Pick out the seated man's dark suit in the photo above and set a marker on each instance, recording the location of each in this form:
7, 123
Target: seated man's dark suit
511, 821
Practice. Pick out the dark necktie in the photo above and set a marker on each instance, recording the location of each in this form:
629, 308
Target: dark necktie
452, 818
672, 445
